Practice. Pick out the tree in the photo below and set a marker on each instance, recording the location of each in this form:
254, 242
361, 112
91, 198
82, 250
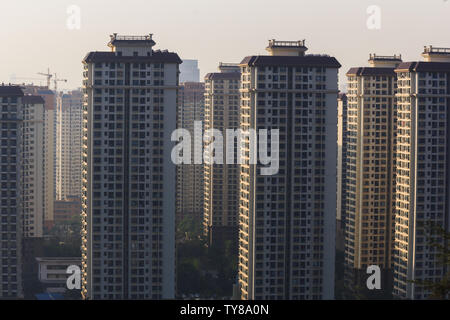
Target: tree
209, 271
438, 239
189, 228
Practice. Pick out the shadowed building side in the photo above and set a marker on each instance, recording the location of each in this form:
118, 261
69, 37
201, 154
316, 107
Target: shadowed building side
191, 105
128, 177
288, 220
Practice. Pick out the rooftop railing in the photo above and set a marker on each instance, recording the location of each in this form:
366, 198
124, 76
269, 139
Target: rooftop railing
318, 55
275, 43
377, 57
224, 64
431, 49
148, 37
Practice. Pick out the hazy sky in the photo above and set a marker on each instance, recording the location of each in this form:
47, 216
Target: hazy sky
35, 35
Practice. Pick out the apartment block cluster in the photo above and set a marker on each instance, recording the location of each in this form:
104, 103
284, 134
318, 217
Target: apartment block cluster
282, 227
394, 177
362, 172
29, 140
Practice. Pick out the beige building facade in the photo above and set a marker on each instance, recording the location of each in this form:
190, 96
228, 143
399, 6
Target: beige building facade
423, 170
370, 169
68, 145
221, 192
33, 166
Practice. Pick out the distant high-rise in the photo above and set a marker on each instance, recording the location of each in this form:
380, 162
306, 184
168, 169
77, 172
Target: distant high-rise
128, 177
11, 186
423, 169
221, 207
370, 169
68, 145
189, 71
287, 220
189, 199
33, 166
49, 147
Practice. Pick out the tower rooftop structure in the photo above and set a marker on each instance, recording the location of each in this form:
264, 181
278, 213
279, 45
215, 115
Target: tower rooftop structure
435, 54
127, 45
229, 67
385, 61
286, 48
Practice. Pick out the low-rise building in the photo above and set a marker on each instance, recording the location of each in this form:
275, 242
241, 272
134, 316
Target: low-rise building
66, 210
53, 272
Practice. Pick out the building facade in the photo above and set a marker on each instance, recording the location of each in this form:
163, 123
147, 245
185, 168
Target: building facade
370, 169
33, 166
49, 148
52, 272
189, 199
10, 203
287, 220
128, 177
68, 145
221, 189
423, 170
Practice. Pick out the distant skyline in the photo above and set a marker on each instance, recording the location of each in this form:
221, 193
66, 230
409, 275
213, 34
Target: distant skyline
35, 35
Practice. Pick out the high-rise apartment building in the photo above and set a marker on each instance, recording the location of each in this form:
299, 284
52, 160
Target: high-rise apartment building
423, 169
33, 166
341, 170
189, 71
68, 145
189, 198
32, 175
287, 220
370, 169
35, 173
10, 184
49, 148
128, 177
221, 192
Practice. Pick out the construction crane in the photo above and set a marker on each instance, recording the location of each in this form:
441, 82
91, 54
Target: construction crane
56, 80
48, 75
49, 79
